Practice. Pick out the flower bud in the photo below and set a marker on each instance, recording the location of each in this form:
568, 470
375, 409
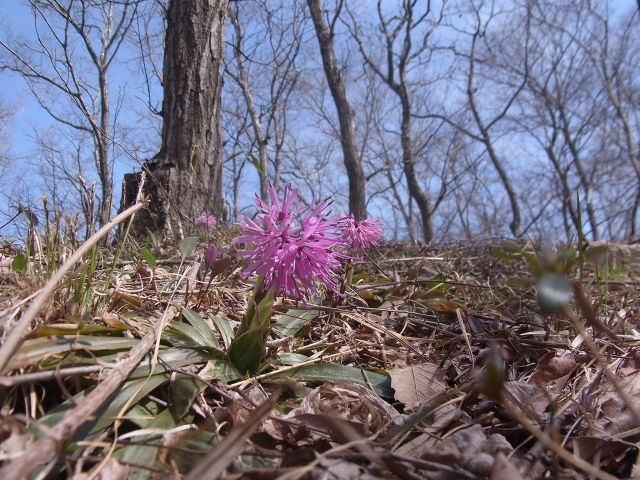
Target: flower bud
210, 256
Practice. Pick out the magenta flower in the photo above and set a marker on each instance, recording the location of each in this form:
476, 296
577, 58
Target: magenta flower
292, 255
206, 221
210, 256
361, 235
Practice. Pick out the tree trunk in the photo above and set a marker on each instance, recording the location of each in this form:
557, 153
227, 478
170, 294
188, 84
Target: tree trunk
185, 177
514, 226
102, 150
408, 165
352, 162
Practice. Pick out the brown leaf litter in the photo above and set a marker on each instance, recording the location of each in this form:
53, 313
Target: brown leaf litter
437, 363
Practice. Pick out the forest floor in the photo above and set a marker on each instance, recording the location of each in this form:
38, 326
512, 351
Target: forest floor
436, 363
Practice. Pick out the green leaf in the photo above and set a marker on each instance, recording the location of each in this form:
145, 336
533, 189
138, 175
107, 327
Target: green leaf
187, 336
182, 392
37, 349
169, 359
289, 359
247, 349
290, 323
205, 336
193, 444
144, 412
180, 334
148, 257
331, 372
19, 263
187, 246
129, 394
174, 358
142, 454
221, 322
219, 369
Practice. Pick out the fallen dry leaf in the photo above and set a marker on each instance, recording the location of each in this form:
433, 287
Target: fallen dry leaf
111, 470
470, 449
417, 383
352, 403
503, 469
550, 367
613, 414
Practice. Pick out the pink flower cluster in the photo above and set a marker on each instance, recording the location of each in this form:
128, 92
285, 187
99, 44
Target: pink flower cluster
206, 221
361, 235
296, 245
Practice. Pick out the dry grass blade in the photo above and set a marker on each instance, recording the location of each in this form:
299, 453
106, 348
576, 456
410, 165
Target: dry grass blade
45, 449
12, 343
217, 460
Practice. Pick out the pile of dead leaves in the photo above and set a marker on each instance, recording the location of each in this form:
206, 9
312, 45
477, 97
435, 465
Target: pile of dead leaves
436, 363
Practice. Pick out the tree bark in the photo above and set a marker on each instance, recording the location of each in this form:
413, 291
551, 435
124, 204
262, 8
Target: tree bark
352, 161
185, 177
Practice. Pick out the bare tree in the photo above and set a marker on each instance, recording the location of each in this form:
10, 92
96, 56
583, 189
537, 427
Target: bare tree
399, 51
613, 59
477, 52
578, 106
325, 32
6, 117
66, 38
235, 123
264, 69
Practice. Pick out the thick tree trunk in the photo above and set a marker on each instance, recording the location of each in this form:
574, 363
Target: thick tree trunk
185, 176
352, 161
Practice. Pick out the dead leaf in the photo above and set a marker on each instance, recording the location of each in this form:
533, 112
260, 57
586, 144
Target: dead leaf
530, 398
241, 408
223, 265
111, 470
613, 414
124, 301
470, 449
503, 469
550, 367
417, 383
445, 306
353, 403
341, 469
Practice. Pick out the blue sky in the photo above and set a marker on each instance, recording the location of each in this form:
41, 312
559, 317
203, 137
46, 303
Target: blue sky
15, 16
29, 117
